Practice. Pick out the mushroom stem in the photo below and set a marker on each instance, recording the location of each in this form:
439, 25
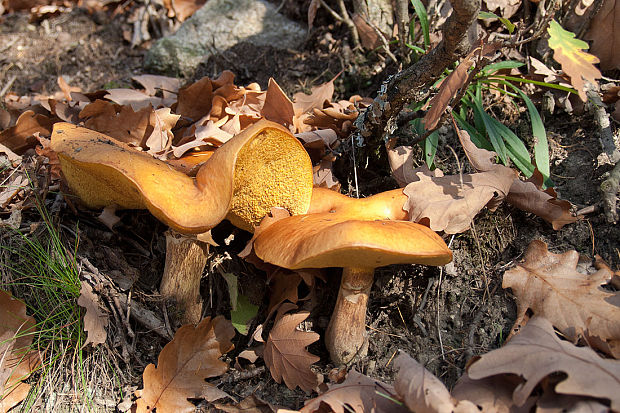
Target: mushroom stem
186, 258
345, 337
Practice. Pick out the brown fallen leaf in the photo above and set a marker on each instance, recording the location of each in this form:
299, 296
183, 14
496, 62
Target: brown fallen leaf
95, 320
423, 392
283, 286
17, 362
183, 365
304, 103
450, 203
323, 174
550, 285
66, 89
162, 122
286, 355
52, 157
251, 404
134, 98
119, 122
359, 394
401, 162
21, 137
194, 100
168, 86
528, 196
605, 35
277, 107
537, 352
492, 394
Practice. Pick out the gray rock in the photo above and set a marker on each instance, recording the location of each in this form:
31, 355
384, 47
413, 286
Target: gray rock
217, 26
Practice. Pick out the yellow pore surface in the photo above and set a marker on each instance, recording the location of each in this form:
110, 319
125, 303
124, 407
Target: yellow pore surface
272, 170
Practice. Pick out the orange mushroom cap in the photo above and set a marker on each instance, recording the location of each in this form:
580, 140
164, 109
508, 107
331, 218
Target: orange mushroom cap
262, 167
339, 240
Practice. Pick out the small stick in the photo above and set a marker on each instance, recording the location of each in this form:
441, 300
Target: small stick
609, 189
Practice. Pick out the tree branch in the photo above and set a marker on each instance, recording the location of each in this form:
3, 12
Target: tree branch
378, 121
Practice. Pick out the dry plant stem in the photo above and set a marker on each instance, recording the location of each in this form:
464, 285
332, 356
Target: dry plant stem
609, 188
345, 337
378, 121
185, 260
401, 10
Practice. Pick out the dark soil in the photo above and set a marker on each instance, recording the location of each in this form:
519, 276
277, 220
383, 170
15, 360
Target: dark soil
440, 317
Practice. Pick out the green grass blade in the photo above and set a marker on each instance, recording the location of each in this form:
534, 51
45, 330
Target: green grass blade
507, 23
516, 148
534, 82
494, 67
420, 11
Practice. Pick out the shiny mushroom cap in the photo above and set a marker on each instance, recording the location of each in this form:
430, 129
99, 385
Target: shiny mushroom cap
244, 178
339, 240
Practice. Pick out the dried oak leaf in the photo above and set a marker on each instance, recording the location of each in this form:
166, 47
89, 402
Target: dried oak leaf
277, 107
605, 35
134, 98
508, 7
21, 137
359, 394
576, 63
401, 162
169, 86
119, 122
450, 203
536, 353
183, 365
194, 101
320, 94
16, 361
286, 355
251, 404
95, 320
550, 285
491, 394
423, 392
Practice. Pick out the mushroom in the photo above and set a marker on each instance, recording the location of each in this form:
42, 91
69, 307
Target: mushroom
262, 167
359, 238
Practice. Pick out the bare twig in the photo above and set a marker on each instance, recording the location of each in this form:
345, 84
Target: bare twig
609, 188
401, 10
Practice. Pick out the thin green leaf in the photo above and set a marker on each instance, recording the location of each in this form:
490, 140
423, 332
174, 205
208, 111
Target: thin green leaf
420, 11
507, 23
494, 67
516, 148
428, 145
534, 82
241, 316
494, 135
476, 137
541, 145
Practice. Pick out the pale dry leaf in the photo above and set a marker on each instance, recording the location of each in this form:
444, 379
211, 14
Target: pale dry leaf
162, 122
209, 133
318, 138
401, 163
169, 86
508, 7
550, 286
286, 355
537, 352
183, 365
368, 35
312, 9
492, 394
605, 35
9, 190
323, 175
450, 203
422, 391
66, 89
251, 404
134, 98
17, 361
481, 159
95, 320
528, 196
320, 94
277, 107
359, 394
